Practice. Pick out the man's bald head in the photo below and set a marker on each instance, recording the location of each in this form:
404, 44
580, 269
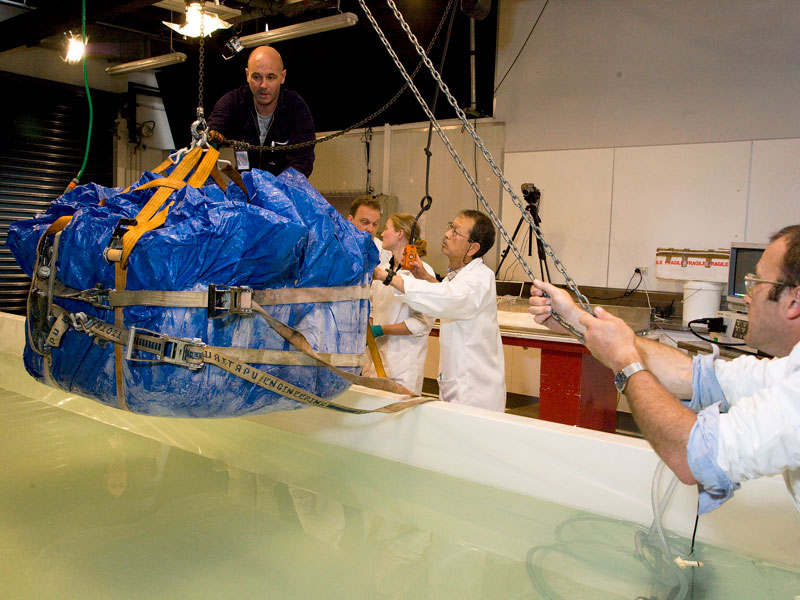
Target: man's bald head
265, 52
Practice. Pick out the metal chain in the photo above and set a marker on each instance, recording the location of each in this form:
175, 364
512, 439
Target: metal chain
202, 67
239, 145
506, 185
199, 128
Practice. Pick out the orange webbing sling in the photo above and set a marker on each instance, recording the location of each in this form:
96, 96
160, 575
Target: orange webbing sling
151, 216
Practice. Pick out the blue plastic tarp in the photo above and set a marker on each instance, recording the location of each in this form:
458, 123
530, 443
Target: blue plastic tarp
284, 235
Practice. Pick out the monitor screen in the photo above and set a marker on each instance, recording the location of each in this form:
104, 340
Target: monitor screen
744, 257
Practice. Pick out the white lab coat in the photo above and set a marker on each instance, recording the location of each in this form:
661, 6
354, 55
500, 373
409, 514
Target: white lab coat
403, 356
384, 255
471, 365
760, 433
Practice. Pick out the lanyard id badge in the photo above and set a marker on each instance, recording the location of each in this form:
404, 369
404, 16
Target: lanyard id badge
242, 160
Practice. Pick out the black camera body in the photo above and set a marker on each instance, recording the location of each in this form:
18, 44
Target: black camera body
532, 195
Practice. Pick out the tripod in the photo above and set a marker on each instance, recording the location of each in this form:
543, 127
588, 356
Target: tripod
532, 197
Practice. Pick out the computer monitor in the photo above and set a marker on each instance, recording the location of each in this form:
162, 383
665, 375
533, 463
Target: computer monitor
744, 257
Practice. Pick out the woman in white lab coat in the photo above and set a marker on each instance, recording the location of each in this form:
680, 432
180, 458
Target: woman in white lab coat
401, 333
471, 363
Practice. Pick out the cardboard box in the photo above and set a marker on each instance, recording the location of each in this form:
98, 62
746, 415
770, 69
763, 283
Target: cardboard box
686, 264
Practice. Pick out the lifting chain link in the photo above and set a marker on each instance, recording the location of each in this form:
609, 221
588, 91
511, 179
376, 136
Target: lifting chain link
583, 301
199, 129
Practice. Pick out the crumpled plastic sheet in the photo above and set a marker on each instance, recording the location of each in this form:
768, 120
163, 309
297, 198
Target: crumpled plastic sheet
285, 235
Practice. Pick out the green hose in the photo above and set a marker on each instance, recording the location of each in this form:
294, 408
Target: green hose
77, 179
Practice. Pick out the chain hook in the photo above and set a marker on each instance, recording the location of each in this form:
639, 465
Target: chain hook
199, 130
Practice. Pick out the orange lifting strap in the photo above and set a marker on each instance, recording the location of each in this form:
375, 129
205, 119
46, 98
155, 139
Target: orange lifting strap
150, 217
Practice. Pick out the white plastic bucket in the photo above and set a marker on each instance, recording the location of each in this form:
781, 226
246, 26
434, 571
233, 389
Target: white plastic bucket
701, 300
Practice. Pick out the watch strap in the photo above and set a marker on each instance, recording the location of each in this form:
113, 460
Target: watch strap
632, 368
621, 377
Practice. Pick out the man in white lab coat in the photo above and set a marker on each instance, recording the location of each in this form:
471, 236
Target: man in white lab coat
471, 365
743, 420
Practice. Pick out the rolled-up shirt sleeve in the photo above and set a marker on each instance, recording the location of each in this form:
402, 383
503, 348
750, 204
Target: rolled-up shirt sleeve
706, 389
714, 484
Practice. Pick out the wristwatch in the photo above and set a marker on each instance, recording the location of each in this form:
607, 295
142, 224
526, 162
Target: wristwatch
621, 377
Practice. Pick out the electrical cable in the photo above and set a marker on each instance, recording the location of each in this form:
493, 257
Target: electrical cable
628, 290
77, 178
691, 548
513, 62
514, 263
657, 320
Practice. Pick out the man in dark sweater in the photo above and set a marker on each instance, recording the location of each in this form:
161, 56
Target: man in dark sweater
263, 113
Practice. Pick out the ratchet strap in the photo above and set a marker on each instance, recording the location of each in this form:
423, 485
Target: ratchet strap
146, 346
203, 299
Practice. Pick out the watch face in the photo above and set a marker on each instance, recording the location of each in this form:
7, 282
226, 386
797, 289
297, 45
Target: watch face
620, 379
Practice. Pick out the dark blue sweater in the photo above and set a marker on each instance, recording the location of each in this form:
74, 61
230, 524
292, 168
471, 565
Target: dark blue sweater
234, 116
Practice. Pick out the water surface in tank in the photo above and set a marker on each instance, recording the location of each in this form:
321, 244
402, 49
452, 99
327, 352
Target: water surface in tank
90, 510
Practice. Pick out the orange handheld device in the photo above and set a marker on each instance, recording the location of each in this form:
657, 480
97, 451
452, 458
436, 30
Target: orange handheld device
409, 257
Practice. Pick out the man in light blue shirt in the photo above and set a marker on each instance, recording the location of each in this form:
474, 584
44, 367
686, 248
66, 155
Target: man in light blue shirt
743, 420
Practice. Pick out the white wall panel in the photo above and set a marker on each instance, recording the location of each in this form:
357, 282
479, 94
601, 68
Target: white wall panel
774, 186
647, 72
323, 175
575, 208
689, 196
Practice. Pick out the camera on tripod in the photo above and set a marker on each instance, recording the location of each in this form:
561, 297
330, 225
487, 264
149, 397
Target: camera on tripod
532, 195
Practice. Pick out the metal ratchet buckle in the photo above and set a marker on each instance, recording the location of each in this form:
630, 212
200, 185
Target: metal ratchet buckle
167, 349
96, 296
224, 300
115, 243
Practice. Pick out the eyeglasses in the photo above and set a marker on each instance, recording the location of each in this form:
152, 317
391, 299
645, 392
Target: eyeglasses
751, 281
451, 227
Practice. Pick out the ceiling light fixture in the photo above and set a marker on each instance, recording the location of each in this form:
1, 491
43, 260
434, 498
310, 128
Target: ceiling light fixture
339, 21
75, 49
146, 64
214, 8
198, 19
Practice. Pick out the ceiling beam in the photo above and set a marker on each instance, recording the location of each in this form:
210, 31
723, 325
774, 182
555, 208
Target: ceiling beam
29, 28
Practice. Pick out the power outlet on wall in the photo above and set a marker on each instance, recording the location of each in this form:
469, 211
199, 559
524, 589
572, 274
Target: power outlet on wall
642, 270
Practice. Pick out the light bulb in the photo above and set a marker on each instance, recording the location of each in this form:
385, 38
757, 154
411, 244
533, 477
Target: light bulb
75, 50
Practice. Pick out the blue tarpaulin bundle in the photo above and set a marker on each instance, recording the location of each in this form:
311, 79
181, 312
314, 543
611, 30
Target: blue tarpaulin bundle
281, 234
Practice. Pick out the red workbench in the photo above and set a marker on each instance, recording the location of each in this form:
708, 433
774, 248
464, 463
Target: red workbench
574, 388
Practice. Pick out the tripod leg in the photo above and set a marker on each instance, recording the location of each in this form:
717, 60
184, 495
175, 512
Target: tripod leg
542, 260
505, 252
